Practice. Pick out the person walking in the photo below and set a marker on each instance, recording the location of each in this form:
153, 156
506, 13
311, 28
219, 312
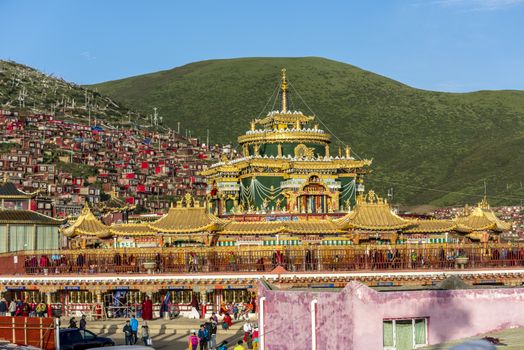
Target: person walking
83, 323
127, 334
72, 323
145, 334
134, 329
248, 329
193, 340
147, 309
213, 325
203, 336
3, 307
12, 307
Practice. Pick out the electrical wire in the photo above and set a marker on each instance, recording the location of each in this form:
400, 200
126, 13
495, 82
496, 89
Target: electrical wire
269, 100
320, 120
445, 191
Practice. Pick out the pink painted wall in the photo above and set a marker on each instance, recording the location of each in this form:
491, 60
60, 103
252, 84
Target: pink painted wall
353, 317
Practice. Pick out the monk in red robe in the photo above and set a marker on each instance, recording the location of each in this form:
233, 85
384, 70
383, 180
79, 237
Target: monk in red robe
147, 309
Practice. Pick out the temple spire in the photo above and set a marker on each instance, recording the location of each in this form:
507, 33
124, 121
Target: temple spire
283, 87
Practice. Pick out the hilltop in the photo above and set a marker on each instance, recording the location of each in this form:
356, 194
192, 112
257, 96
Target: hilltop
418, 139
26, 89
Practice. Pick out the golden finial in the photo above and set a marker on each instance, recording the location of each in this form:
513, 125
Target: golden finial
86, 209
188, 199
283, 87
348, 152
483, 204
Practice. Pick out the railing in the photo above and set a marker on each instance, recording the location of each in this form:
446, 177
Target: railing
264, 259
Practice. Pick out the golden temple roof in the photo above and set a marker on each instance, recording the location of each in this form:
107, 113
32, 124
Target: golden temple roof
372, 213
284, 117
282, 163
480, 219
114, 203
88, 225
191, 218
132, 230
276, 227
430, 226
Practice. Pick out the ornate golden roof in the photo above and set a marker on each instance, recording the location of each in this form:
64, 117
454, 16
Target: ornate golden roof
285, 163
372, 213
132, 230
276, 227
430, 226
277, 136
280, 117
480, 219
87, 225
191, 218
114, 203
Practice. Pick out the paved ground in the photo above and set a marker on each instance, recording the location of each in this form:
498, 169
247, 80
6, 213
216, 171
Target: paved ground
166, 334
513, 338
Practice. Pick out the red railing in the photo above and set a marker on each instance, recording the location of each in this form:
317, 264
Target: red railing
264, 259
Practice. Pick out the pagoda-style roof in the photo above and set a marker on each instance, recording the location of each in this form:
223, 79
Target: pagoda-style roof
8, 190
281, 117
482, 218
372, 213
431, 226
87, 224
313, 227
29, 217
188, 218
285, 163
115, 204
142, 229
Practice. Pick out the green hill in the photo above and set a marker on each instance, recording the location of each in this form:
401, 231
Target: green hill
26, 89
424, 143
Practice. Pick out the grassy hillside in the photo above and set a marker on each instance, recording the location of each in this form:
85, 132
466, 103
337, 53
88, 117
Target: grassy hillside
23, 88
418, 139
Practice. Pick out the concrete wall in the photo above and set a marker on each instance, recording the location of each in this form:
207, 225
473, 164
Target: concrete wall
354, 315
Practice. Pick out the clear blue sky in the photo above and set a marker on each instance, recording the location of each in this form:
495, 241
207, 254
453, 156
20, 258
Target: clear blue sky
448, 45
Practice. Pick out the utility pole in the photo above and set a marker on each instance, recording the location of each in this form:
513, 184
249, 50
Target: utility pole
178, 128
155, 116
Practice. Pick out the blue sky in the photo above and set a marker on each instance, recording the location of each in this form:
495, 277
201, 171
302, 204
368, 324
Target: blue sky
446, 45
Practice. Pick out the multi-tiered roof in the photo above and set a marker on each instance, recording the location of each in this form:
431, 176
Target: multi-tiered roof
282, 154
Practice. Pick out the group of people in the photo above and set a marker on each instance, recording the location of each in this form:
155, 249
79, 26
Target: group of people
19, 307
83, 323
131, 332
238, 310
205, 338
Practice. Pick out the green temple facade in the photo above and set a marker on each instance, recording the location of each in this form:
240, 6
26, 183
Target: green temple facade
286, 166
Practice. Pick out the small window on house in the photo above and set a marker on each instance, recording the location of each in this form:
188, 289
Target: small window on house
405, 334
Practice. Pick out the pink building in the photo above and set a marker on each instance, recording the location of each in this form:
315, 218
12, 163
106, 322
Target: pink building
358, 317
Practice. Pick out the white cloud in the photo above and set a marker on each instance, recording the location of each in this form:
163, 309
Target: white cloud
87, 55
480, 5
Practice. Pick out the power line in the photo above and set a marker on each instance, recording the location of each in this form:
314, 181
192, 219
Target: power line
320, 120
444, 191
269, 100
